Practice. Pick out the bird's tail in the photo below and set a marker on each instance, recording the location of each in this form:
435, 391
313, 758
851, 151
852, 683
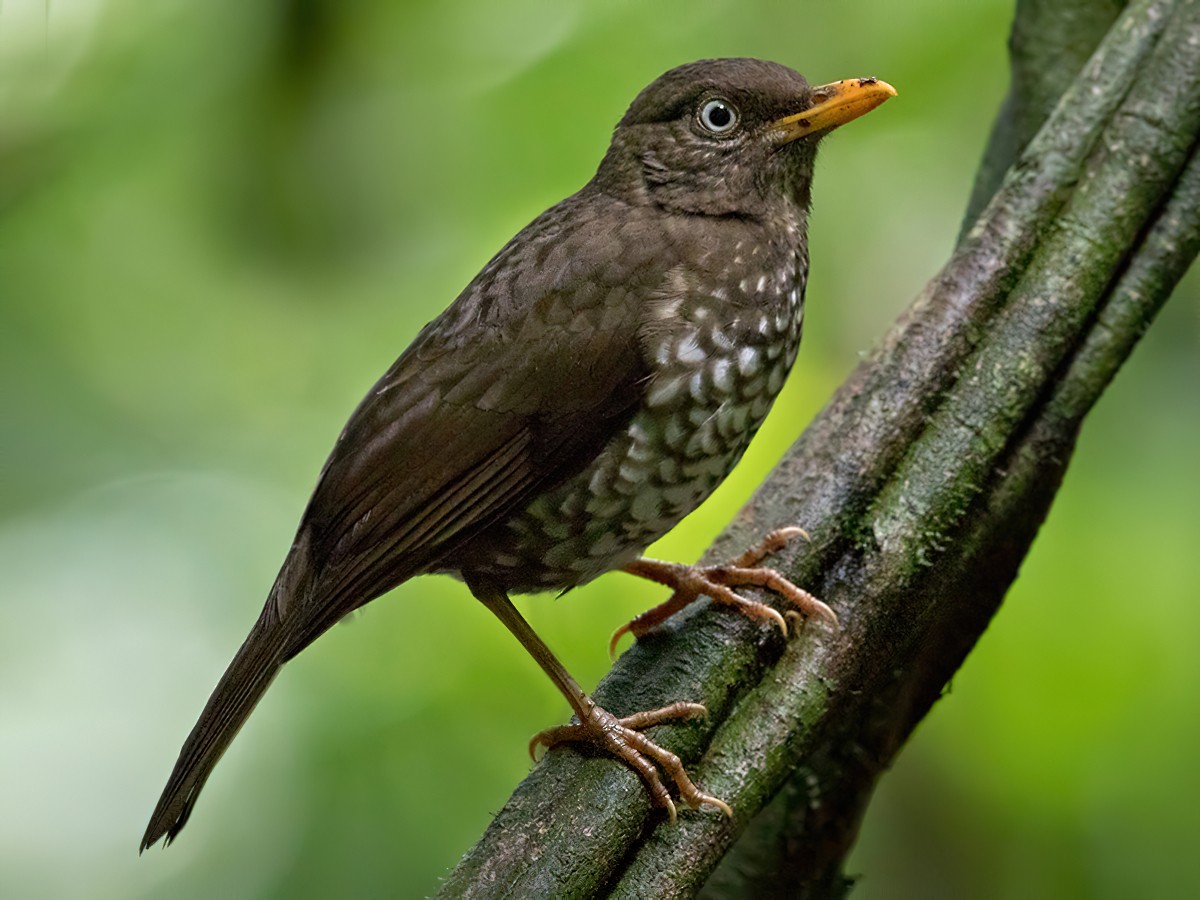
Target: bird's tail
239, 690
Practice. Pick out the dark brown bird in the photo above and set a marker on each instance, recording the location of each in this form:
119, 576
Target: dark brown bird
585, 392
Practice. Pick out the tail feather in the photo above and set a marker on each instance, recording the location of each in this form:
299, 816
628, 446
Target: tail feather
249, 675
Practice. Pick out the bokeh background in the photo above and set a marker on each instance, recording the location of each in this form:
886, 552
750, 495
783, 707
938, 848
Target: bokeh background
220, 221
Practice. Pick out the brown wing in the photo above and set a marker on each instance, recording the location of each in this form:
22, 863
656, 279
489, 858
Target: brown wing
518, 384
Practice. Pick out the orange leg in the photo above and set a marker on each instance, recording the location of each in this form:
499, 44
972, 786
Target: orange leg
689, 583
622, 738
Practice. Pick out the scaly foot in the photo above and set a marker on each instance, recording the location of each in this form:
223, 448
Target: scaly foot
691, 582
623, 739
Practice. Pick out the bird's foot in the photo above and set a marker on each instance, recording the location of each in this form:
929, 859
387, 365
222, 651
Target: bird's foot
691, 582
623, 739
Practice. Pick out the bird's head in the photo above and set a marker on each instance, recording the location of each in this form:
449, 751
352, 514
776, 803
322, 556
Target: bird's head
728, 136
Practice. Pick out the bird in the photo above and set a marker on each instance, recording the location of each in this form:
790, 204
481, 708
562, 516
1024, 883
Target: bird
587, 390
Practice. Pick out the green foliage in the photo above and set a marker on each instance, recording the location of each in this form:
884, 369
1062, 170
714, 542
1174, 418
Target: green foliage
220, 222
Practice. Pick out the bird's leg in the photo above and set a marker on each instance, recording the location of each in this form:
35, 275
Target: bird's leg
689, 583
621, 738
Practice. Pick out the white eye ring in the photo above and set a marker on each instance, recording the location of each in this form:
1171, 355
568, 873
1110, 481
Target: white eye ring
718, 116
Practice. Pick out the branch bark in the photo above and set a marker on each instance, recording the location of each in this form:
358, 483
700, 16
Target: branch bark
1051, 40
922, 483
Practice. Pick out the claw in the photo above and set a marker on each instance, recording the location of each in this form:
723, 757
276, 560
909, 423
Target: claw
689, 583
623, 739
616, 636
762, 612
721, 805
774, 542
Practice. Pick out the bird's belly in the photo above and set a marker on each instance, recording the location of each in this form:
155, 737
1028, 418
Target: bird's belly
695, 423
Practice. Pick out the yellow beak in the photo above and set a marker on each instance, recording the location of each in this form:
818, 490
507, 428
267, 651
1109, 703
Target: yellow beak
833, 105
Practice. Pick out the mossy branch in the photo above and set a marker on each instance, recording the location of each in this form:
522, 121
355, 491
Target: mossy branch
1050, 42
923, 483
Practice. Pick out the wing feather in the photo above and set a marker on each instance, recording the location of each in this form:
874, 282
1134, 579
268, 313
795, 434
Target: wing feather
518, 384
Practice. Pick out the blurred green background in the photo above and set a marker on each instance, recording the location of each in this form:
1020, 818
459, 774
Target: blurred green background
220, 221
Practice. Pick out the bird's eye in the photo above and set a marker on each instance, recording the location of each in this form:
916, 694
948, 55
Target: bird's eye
718, 116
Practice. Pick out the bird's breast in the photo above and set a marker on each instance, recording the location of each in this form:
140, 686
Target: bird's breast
718, 360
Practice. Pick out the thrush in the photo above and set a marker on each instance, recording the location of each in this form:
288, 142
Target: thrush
586, 391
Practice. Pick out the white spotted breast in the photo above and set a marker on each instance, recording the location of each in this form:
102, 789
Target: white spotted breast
718, 362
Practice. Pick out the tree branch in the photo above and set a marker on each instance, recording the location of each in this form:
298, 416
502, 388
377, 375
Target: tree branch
1051, 40
922, 483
